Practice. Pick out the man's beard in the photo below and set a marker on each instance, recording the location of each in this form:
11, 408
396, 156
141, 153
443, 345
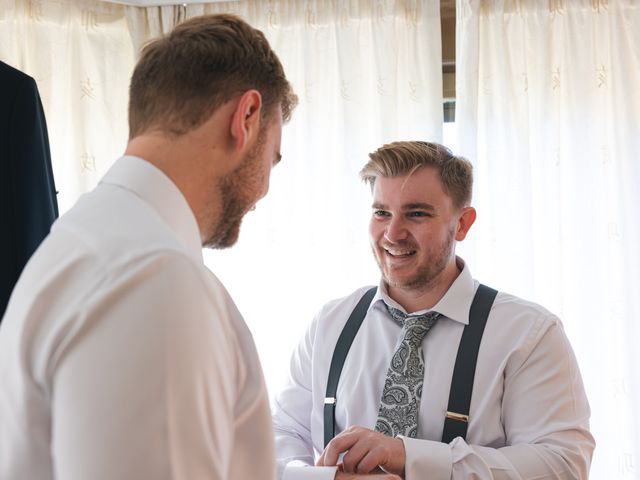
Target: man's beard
233, 210
235, 200
426, 275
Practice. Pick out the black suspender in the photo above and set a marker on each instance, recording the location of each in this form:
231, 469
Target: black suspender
339, 354
457, 417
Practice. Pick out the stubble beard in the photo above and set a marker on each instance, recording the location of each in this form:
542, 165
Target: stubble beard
234, 202
426, 276
227, 231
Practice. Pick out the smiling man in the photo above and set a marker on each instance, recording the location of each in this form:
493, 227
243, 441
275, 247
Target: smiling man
431, 374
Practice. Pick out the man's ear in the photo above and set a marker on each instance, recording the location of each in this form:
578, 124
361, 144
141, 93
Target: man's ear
466, 219
245, 121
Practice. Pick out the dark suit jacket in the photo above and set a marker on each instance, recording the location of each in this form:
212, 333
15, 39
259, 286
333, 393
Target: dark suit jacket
28, 203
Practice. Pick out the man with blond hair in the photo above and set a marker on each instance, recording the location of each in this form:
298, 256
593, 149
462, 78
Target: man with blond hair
431, 374
121, 355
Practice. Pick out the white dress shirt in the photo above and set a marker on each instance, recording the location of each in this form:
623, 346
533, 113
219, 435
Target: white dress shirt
122, 356
529, 415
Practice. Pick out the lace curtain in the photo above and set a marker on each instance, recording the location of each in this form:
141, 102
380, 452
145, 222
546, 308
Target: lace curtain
548, 109
80, 54
367, 72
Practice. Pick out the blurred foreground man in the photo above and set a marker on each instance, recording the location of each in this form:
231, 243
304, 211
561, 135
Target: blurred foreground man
121, 355
431, 375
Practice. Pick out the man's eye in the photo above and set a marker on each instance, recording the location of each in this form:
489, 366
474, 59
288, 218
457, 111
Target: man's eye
419, 214
380, 213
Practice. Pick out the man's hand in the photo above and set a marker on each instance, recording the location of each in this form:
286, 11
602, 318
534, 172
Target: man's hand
366, 450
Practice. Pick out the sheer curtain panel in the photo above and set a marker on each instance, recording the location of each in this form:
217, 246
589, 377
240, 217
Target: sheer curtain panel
148, 23
548, 110
80, 54
366, 72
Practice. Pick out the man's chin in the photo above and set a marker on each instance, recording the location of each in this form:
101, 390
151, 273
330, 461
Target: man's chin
405, 283
225, 239
400, 285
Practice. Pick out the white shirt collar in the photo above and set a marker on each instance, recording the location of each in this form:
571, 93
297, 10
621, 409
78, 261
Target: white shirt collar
151, 185
455, 304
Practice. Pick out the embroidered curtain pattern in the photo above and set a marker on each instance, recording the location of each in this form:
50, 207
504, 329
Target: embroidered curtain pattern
79, 53
548, 109
367, 72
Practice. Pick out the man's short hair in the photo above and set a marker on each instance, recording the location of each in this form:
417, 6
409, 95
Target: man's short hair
183, 77
403, 158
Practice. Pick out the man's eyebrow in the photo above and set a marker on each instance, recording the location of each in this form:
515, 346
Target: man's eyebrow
408, 206
418, 206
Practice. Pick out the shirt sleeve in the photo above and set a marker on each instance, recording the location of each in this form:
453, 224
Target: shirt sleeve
147, 387
297, 471
292, 409
545, 416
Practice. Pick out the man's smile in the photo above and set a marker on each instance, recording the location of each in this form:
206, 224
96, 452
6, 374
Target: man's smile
399, 253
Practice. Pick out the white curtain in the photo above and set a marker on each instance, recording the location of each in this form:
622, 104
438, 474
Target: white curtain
366, 71
548, 109
80, 54
151, 22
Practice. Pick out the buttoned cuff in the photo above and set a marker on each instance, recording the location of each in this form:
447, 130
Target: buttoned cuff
294, 471
426, 459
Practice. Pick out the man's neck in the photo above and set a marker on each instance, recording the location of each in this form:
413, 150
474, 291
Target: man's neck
184, 163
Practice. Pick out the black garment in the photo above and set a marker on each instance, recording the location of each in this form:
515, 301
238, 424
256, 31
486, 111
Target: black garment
28, 203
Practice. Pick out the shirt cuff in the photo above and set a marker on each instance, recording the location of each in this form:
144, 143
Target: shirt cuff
426, 458
295, 471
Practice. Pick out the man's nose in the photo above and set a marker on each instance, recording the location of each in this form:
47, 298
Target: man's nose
396, 230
